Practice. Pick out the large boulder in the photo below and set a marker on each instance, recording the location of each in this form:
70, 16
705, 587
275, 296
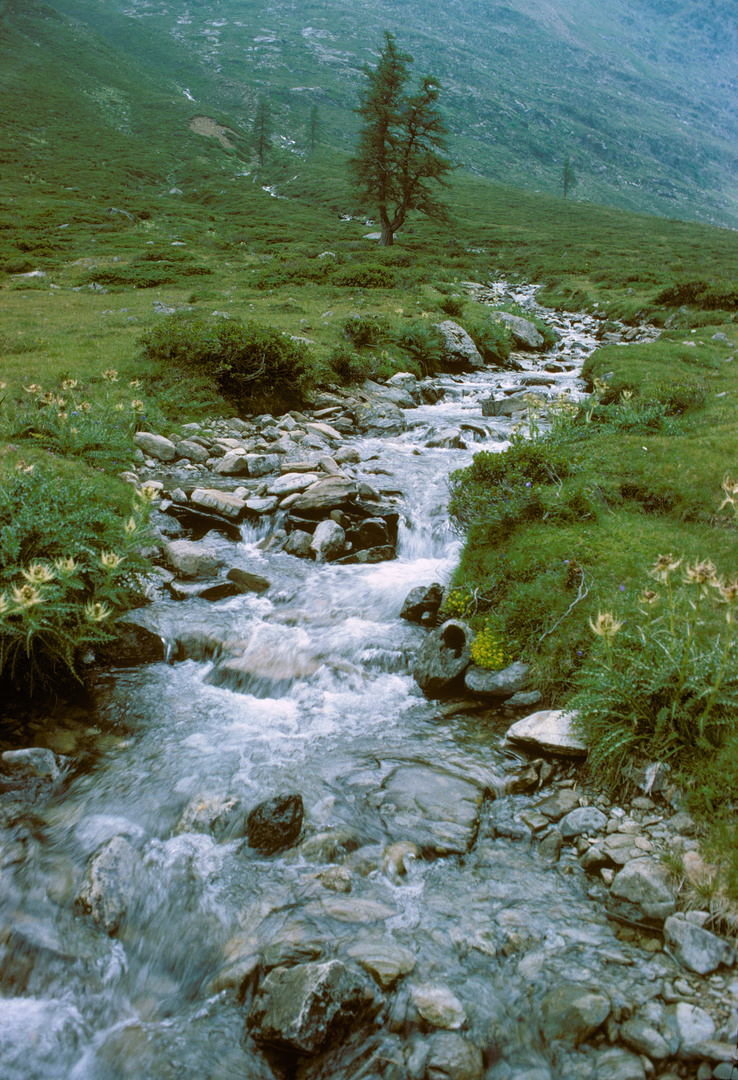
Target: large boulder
193, 451
508, 406
525, 334
219, 502
320, 498
308, 1008
380, 418
646, 882
696, 948
190, 559
275, 823
328, 541
496, 684
459, 351
423, 604
31, 763
108, 887
572, 1013
443, 657
155, 446
132, 645
550, 730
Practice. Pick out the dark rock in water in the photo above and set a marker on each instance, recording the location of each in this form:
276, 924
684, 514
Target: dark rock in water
496, 684
443, 657
275, 823
422, 604
308, 1008
507, 406
380, 418
133, 644
247, 582
374, 555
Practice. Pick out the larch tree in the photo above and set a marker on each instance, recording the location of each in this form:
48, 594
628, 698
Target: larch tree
401, 151
261, 131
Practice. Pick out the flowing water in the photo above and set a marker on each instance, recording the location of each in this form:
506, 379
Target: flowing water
332, 712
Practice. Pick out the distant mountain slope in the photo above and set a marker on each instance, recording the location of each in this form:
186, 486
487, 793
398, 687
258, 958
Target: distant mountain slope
640, 93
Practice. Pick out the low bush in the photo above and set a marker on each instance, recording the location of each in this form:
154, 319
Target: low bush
492, 338
249, 362
293, 272
423, 342
365, 276
68, 566
366, 330
711, 295
453, 306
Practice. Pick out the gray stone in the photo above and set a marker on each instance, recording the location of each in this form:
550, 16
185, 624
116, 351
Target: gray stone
189, 559
233, 463
496, 684
265, 505
380, 418
308, 1008
572, 1013
694, 1026
550, 846
132, 645
642, 1037
248, 582
562, 802
222, 817
645, 882
335, 878
432, 809
275, 823
453, 1057
508, 406
398, 395
32, 762
218, 502
585, 819
551, 730
328, 541
193, 451
320, 498
289, 483
696, 948
443, 657
618, 1064
438, 1006
422, 604
155, 446
299, 544
459, 351
525, 334
108, 886
385, 960
262, 464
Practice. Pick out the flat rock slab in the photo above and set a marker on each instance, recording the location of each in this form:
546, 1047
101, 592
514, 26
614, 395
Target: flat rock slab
219, 502
496, 684
551, 730
696, 948
349, 910
326, 495
433, 809
386, 961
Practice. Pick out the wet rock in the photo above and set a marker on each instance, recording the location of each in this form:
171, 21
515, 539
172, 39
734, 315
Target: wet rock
551, 730
443, 657
275, 823
496, 684
432, 809
645, 882
155, 446
422, 604
336, 878
233, 463
189, 559
328, 541
32, 762
108, 887
289, 483
289, 952
193, 451
642, 1037
393, 392
262, 464
47, 1028
327, 846
459, 351
508, 406
248, 582
525, 334
308, 1008
550, 846
353, 910
396, 857
320, 498
562, 802
347, 455
585, 819
262, 505
380, 419
132, 645
359, 1057
694, 1027
385, 960
299, 544
572, 1013
618, 1064
453, 1057
595, 858
437, 1005
696, 948
188, 590
223, 818
218, 502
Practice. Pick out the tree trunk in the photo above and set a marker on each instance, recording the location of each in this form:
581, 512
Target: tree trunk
387, 238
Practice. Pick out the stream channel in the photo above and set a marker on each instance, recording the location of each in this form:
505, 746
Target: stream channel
468, 938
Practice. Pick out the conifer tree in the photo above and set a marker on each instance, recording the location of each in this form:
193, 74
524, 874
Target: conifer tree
262, 129
401, 150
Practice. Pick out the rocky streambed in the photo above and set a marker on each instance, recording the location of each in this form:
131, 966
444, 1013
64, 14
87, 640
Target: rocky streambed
289, 862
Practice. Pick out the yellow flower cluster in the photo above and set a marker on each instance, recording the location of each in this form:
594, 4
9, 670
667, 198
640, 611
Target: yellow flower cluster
456, 603
488, 649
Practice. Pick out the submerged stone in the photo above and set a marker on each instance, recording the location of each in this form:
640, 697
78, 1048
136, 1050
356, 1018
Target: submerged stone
275, 823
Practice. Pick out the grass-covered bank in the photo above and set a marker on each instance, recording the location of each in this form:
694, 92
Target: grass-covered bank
604, 552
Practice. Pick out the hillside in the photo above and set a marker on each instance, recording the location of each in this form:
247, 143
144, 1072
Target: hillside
639, 94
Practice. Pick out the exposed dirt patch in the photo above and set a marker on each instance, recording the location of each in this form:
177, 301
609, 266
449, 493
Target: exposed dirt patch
203, 125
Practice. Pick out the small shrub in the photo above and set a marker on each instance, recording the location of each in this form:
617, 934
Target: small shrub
423, 342
366, 330
711, 295
365, 276
492, 338
346, 363
453, 306
247, 360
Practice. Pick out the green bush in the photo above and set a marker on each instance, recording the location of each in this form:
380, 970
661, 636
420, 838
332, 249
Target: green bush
711, 295
366, 330
346, 363
365, 276
293, 272
248, 361
453, 306
423, 342
492, 338
68, 567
